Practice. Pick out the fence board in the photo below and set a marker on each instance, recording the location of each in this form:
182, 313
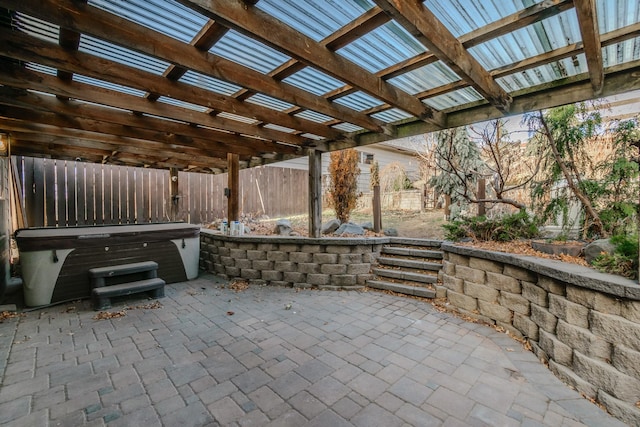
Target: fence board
72, 186
61, 200
49, 192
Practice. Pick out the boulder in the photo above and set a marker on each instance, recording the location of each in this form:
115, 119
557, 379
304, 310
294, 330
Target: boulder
595, 248
349, 228
330, 226
283, 227
391, 232
367, 226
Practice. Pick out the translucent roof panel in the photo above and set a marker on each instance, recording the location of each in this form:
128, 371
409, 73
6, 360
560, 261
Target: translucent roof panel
383, 47
425, 78
313, 116
392, 115
107, 85
37, 28
614, 14
238, 118
550, 34
464, 16
347, 127
41, 68
311, 136
121, 55
453, 99
209, 83
245, 51
619, 53
359, 101
313, 81
316, 19
269, 102
279, 128
178, 103
165, 16
544, 74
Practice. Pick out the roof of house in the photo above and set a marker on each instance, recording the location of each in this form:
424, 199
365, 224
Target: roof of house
182, 83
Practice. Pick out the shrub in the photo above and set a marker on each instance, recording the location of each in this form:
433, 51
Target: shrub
624, 259
343, 190
506, 228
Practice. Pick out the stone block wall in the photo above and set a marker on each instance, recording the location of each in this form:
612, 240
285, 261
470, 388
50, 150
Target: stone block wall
326, 263
585, 324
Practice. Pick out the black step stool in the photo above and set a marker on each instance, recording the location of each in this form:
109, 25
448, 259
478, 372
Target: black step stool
102, 293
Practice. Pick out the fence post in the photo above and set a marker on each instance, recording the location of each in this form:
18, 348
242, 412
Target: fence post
173, 193
377, 209
315, 193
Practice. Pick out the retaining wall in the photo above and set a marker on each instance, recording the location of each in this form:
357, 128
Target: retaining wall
585, 324
326, 263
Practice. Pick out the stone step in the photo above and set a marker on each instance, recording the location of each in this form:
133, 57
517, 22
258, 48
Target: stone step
409, 263
410, 252
429, 243
402, 288
405, 275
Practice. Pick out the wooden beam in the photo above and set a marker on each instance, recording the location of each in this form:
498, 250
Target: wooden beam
269, 30
420, 22
91, 20
315, 193
233, 185
31, 49
24, 79
588, 22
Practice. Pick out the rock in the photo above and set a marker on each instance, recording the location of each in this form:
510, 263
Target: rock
391, 232
330, 226
367, 226
283, 227
595, 248
349, 228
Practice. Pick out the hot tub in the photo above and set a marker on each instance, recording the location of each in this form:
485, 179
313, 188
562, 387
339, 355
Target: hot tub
56, 261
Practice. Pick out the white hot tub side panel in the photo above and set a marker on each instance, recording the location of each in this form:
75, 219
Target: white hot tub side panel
190, 255
40, 274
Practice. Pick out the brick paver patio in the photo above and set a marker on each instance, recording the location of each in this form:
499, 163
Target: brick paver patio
273, 356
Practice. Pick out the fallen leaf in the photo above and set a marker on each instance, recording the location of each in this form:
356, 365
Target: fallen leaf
230, 313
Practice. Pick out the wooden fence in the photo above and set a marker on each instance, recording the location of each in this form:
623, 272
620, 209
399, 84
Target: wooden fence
55, 193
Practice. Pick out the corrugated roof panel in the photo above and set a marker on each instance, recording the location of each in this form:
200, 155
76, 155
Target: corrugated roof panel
269, 102
121, 55
453, 99
107, 85
313, 116
425, 78
316, 19
165, 16
313, 81
392, 115
251, 53
619, 53
615, 14
464, 16
209, 83
550, 34
347, 127
544, 74
359, 101
279, 128
311, 136
41, 68
383, 47
182, 104
37, 27
238, 118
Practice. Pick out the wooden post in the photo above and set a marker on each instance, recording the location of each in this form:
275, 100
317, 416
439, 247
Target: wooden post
233, 184
377, 209
447, 207
482, 192
173, 193
315, 193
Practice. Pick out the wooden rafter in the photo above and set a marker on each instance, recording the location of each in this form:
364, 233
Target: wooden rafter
87, 19
420, 22
263, 27
28, 48
588, 22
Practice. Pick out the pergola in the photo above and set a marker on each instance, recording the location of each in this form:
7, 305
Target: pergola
214, 86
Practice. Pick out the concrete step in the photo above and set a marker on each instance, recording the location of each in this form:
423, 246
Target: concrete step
402, 288
405, 275
408, 263
410, 252
403, 241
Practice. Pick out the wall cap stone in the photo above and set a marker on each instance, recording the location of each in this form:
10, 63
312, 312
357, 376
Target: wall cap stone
297, 239
573, 274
